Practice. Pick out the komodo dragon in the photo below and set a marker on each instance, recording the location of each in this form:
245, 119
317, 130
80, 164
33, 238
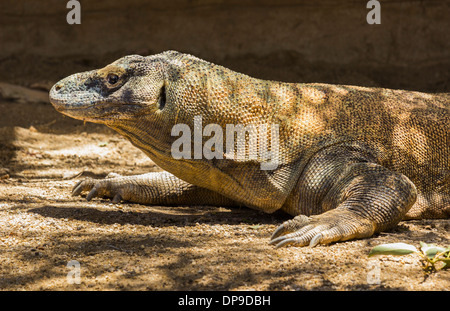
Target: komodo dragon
351, 161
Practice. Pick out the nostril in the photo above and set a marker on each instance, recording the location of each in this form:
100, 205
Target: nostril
58, 87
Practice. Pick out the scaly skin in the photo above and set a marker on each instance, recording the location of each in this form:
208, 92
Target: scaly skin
352, 161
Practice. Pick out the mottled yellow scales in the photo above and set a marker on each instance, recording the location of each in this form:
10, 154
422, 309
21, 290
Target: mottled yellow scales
351, 161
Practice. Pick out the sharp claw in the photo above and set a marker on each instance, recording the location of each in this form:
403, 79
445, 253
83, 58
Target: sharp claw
285, 242
292, 225
302, 238
91, 194
283, 238
278, 232
315, 240
276, 240
76, 190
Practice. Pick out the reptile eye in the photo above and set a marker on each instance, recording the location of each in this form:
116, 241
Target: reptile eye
112, 78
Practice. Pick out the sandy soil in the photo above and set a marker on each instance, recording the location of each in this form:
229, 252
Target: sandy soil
137, 247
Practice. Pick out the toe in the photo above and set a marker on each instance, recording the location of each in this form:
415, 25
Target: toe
291, 225
82, 185
325, 228
92, 193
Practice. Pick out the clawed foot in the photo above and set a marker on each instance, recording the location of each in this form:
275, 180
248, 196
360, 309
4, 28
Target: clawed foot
326, 228
108, 187
291, 232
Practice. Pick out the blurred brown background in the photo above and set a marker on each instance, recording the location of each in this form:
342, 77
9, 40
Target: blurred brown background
295, 41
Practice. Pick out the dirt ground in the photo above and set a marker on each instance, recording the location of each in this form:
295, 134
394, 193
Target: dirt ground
137, 247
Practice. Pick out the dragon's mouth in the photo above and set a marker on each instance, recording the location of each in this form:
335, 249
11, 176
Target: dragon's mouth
99, 112
90, 106
63, 100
